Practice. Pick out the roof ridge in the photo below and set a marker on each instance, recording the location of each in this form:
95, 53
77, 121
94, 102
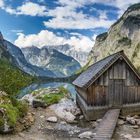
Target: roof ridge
93, 71
119, 52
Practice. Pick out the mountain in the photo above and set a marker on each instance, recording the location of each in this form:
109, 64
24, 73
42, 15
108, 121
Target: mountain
12, 79
122, 35
51, 59
66, 49
21, 62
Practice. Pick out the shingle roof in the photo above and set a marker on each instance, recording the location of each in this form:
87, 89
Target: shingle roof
90, 75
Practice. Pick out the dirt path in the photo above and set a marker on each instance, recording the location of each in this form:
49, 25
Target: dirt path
38, 130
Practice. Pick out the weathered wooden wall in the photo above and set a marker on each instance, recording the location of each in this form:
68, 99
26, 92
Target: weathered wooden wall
118, 85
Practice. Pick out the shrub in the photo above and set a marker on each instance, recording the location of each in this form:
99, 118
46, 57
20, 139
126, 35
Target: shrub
12, 113
22, 106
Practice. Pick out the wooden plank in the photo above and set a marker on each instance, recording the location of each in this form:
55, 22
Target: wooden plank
106, 127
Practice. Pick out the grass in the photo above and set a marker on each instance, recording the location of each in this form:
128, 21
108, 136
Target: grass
14, 110
11, 114
53, 98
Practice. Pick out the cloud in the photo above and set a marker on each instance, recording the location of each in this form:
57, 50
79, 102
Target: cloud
32, 9
1, 3
28, 8
66, 17
48, 38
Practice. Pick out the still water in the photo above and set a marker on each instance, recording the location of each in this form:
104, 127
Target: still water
35, 86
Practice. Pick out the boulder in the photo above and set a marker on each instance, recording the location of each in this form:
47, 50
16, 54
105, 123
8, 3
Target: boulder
121, 122
131, 120
38, 103
52, 119
66, 109
87, 135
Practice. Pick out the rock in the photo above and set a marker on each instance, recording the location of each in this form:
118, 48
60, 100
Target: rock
87, 135
42, 116
38, 103
63, 122
136, 117
30, 118
66, 109
99, 120
138, 122
124, 34
69, 117
122, 117
131, 120
81, 117
135, 126
52, 119
128, 136
120, 122
71, 129
94, 124
21, 135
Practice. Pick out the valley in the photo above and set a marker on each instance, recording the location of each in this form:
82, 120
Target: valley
37, 97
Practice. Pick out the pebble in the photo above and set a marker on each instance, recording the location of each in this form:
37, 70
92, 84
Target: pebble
87, 135
99, 120
120, 122
135, 126
52, 119
42, 116
81, 117
21, 135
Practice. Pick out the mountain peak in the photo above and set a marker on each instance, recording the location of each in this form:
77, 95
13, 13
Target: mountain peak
122, 35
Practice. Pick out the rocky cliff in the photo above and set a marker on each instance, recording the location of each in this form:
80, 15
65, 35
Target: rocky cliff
60, 64
122, 35
79, 55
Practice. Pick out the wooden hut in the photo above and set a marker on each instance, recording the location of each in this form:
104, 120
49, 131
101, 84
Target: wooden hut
112, 82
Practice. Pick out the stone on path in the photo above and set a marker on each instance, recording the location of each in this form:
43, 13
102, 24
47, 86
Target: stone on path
52, 119
87, 135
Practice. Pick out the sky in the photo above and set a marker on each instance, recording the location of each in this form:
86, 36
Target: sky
56, 22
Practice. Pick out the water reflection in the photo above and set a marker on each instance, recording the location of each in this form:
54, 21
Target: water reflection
36, 86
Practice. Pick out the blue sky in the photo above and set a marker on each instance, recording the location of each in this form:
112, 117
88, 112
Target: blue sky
56, 22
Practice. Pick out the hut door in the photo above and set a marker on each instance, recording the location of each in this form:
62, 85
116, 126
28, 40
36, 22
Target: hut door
116, 92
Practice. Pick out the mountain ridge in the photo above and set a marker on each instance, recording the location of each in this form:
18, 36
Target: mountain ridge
59, 63
122, 35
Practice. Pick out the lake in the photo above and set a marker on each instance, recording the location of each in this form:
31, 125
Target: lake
35, 86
